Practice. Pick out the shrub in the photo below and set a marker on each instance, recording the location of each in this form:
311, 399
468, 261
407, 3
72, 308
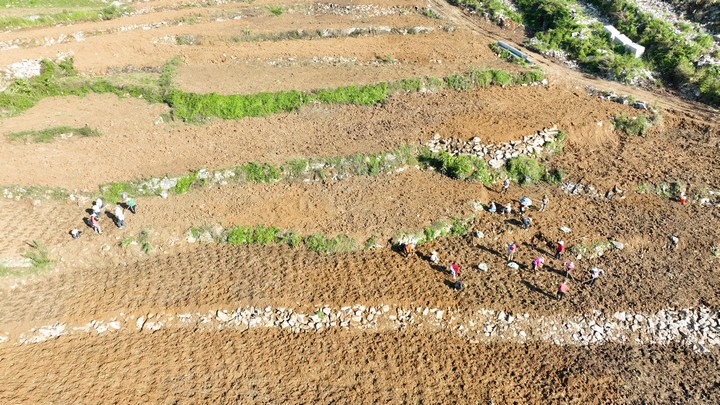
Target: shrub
458, 82
554, 176
481, 78
258, 235
363, 95
462, 167
524, 170
501, 77
436, 230
460, 226
635, 126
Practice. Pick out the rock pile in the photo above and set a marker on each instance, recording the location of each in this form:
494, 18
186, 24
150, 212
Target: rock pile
495, 154
625, 100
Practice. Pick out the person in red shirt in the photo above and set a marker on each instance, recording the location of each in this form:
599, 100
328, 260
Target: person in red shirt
682, 198
559, 250
562, 289
454, 270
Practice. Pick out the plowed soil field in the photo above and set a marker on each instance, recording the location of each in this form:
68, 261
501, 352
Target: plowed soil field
55, 342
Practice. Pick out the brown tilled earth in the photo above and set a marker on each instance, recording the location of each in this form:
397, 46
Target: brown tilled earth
95, 277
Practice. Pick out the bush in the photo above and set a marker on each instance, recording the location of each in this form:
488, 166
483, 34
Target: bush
458, 82
525, 170
635, 126
462, 167
501, 77
460, 226
436, 230
481, 78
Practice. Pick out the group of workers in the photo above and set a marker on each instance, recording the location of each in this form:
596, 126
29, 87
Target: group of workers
118, 214
536, 264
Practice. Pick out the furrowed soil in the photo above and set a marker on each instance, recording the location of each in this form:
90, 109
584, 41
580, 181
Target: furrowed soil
103, 277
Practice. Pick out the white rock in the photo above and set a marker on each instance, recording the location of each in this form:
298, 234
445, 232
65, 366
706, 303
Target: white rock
223, 316
439, 314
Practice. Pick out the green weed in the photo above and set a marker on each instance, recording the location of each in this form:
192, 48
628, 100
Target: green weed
260, 173
322, 244
39, 256
48, 135
184, 183
276, 10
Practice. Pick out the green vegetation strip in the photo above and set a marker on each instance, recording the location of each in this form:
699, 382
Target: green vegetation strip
61, 80
48, 135
64, 17
318, 242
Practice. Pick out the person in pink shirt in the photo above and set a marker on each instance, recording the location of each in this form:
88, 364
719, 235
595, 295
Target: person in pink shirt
562, 289
559, 250
95, 224
538, 263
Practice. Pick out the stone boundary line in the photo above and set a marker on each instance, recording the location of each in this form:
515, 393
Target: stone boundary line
696, 328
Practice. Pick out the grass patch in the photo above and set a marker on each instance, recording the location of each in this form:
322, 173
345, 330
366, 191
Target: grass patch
592, 249
257, 235
64, 17
186, 182
262, 235
48, 135
260, 173
430, 13
39, 256
142, 239
323, 244
276, 10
